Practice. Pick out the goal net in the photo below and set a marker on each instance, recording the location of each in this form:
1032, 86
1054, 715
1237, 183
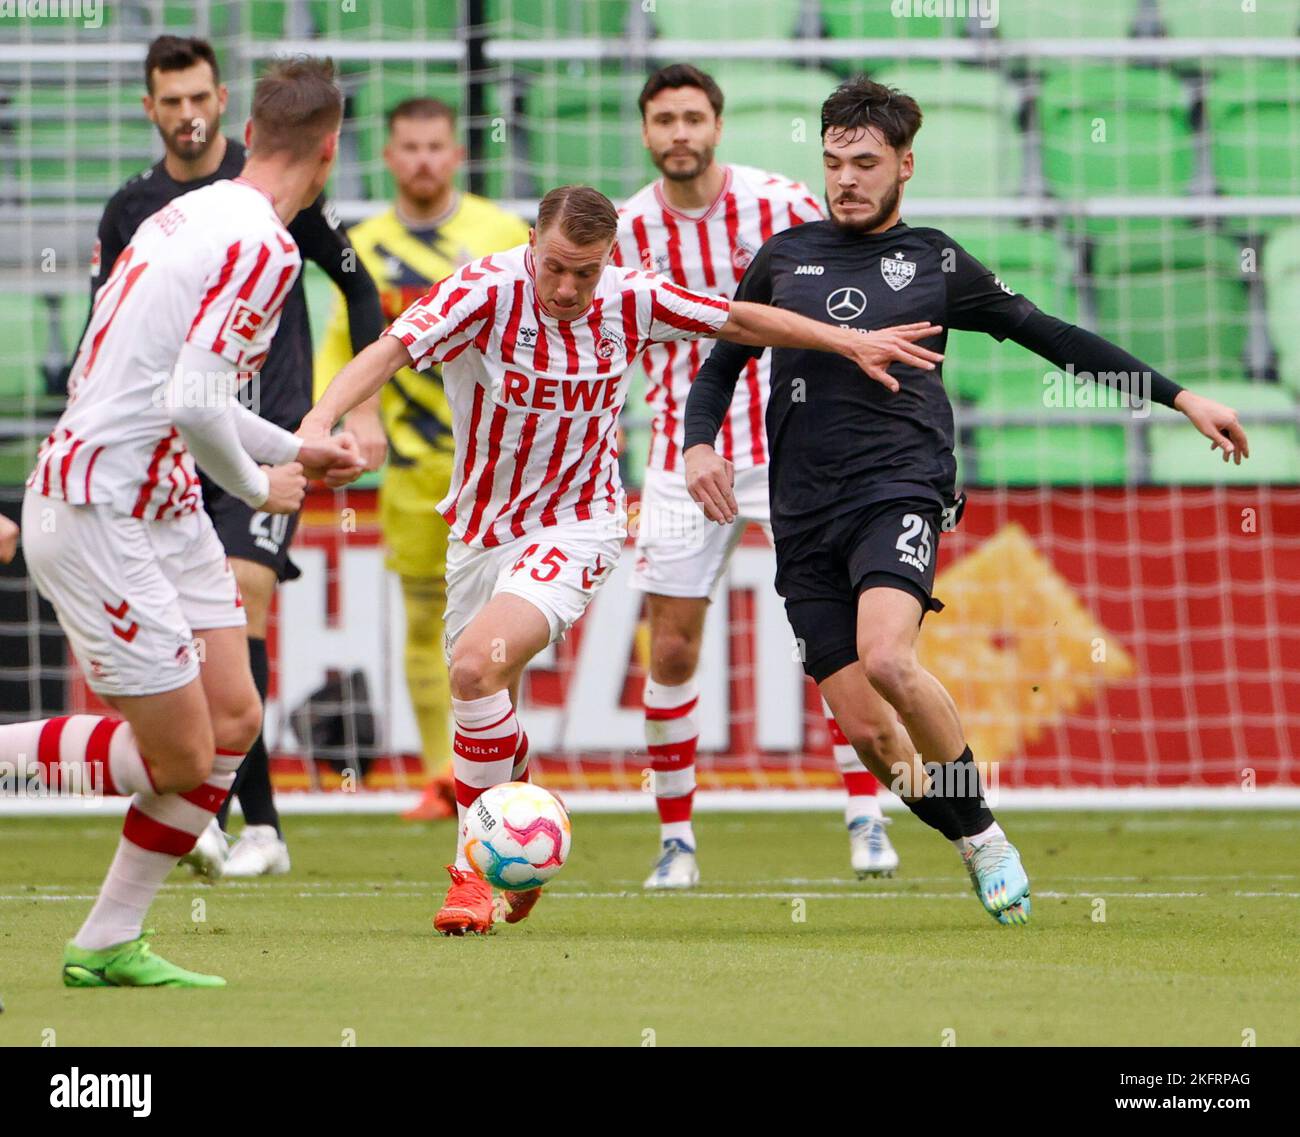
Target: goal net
1121, 608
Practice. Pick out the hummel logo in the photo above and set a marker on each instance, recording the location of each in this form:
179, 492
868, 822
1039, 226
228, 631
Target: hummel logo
810, 270
528, 335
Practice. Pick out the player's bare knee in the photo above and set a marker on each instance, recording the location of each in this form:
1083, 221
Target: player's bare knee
183, 768
892, 672
874, 742
474, 675
674, 657
236, 728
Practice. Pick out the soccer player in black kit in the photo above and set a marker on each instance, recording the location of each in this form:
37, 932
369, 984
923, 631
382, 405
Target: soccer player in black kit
185, 100
862, 478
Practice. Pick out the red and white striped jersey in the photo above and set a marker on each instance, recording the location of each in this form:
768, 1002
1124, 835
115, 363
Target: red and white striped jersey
211, 268
535, 400
709, 253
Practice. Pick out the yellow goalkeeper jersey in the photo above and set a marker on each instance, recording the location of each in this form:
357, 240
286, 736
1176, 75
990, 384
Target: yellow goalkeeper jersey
404, 263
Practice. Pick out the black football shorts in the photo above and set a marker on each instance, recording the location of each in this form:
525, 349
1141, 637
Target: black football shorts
251, 534
821, 572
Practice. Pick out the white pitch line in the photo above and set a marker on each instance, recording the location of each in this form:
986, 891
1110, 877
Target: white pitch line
660, 897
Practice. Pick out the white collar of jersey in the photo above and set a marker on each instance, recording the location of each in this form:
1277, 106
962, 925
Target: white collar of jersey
243, 181
722, 193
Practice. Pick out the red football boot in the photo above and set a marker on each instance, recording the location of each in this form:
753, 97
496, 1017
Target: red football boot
468, 907
515, 906
438, 801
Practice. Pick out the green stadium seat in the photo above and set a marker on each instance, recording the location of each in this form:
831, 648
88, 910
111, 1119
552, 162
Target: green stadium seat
265, 19
386, 85
1098, 19
80, 142
392, 20
771, 117
1215, 19
558, 19
1053, 452
969, 145
582, 128
1109, 130
1034, 264
1182, 455
25, 330
852, 19
1174, 298
726, 19
1253, 114
17, 457
1281, 271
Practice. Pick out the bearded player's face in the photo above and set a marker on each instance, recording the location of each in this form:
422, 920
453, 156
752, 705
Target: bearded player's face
681, 132
186, 106
864, 178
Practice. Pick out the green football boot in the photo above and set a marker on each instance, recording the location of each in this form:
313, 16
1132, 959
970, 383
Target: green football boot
131, 964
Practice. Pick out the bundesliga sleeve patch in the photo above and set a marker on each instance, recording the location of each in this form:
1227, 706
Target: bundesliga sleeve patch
245, 322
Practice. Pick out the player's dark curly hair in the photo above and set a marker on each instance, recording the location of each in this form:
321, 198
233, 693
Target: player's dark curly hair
178, 53
677, 75
859, 103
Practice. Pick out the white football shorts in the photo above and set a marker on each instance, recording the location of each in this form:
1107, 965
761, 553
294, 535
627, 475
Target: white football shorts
679, 551
557, 569
129, 593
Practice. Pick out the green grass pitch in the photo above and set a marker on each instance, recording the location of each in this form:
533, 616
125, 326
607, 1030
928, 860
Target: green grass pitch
1196, 947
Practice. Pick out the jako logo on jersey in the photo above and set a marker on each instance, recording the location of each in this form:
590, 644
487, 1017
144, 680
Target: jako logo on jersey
810, 270
610, 344
1008, 291
550, 393
897, 272
245, 321
846, 303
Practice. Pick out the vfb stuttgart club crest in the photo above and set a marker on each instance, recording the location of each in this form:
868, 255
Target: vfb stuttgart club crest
609, 344
897, 272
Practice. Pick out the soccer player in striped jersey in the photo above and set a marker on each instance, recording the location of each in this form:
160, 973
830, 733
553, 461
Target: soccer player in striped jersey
431, 230
114, 530
701, 224
535, 346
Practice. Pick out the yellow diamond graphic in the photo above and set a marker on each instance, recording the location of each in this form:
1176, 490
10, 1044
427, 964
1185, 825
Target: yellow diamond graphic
1015, 647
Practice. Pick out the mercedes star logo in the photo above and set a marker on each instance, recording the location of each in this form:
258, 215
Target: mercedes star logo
846, 303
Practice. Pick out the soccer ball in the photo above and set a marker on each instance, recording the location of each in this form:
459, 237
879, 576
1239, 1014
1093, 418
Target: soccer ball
516, 836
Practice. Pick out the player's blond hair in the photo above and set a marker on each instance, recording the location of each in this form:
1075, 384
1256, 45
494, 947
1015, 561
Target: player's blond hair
585, 215
296, 103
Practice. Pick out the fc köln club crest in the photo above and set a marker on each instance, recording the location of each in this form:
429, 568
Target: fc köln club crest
897, 272
609, 344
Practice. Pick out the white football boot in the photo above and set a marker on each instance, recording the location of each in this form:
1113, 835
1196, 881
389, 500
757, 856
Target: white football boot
258, 852
208, 857
870, 852
676, 867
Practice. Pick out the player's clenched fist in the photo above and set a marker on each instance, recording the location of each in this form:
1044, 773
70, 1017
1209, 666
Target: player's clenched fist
709, 480
288, 488
8, 540
336, 458
875, 351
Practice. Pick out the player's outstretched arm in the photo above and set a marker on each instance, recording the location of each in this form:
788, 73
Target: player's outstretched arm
1109, 365
358, 381
763, 325
8, 540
